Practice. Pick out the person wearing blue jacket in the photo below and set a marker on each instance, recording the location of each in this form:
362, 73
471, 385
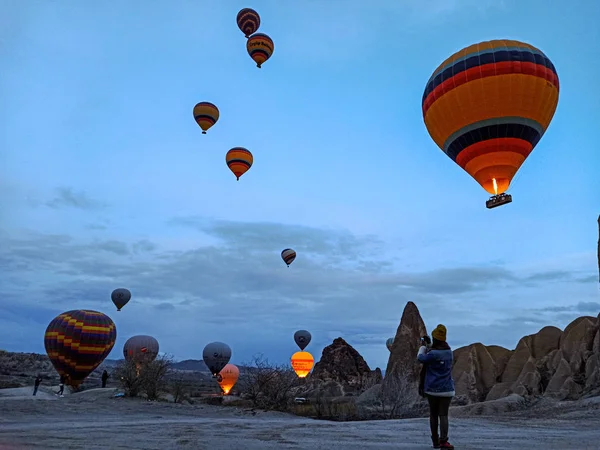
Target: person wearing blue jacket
438, 384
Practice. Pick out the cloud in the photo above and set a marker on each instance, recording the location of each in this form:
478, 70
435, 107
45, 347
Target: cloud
66, 197
231, 284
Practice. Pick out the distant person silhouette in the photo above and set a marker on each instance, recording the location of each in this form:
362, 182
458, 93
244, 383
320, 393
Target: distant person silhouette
61, 386
104, 378
36, 384
438, 385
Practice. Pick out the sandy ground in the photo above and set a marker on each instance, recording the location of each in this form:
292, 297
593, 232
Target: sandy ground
96, 420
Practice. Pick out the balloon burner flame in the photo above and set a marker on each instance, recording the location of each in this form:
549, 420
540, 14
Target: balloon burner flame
495, 186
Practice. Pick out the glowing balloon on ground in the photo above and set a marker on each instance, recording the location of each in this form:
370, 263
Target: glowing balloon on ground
227, 377
302, 338
77, 342
141, 349
302, 363
216, 355
239, 160
206, 115
288, 255
389, 343
248, 21
120, 297
260, 48
488, 105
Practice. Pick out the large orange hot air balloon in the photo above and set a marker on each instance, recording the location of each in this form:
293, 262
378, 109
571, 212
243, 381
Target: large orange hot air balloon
487, 106
248, 21
239, 160
260, 48
227, 377
302, 363
78, 341
206, 115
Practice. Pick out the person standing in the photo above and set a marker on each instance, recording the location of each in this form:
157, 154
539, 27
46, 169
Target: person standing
104, 378
438, 385
36, 384
61, 386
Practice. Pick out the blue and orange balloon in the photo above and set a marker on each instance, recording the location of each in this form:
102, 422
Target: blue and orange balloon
248, 21
260, 48
488, 105
206, 115
239, 160
288, 255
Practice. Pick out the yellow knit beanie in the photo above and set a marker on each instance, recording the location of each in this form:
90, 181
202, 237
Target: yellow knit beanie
439, 333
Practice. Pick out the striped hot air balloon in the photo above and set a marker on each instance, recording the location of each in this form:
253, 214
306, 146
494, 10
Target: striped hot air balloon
239, 160
206, 115
248, 21
260, 48
288, 255
78, 341
302, 363
488, 105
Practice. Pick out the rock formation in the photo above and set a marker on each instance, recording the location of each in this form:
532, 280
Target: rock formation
344, 370
402, 372
559, 364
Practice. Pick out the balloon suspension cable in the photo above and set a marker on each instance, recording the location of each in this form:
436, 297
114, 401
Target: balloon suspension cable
495, 186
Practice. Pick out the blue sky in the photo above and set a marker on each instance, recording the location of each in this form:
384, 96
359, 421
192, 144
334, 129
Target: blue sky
107, 182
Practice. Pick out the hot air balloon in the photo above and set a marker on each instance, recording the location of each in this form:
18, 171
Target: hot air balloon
302, 338
77, 342
228, 377
288, 255
248, 21
216, 355
206, 115
260, 48
302, 363
389, 343
120, 297
140, 349
239, 160
487, 106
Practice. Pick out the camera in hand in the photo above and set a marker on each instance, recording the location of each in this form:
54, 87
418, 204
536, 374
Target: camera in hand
426, 340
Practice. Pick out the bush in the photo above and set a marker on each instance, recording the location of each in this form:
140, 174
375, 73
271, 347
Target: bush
268, 386
147, 378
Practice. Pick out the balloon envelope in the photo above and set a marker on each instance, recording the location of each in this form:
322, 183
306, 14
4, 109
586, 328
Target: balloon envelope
227, 377
141, 349
302, 363
302, 338
260, 48
120, 297
216, 355
488, 105
77, 342
288, 255
389, 343
248, 21
239, 160
206, 115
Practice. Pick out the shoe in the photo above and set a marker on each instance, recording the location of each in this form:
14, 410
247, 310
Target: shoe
446, 444
436, 441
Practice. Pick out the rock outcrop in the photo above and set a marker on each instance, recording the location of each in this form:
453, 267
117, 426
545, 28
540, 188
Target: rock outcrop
402, 372
343, 370
559, 364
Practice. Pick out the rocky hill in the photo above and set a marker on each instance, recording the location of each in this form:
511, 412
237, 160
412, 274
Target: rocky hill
342, 371
561, 364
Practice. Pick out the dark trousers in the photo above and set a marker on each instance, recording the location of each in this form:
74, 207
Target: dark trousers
35, 389
438, 409
61, 389
103, 383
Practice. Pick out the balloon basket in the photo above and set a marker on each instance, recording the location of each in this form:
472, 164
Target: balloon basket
498, 200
